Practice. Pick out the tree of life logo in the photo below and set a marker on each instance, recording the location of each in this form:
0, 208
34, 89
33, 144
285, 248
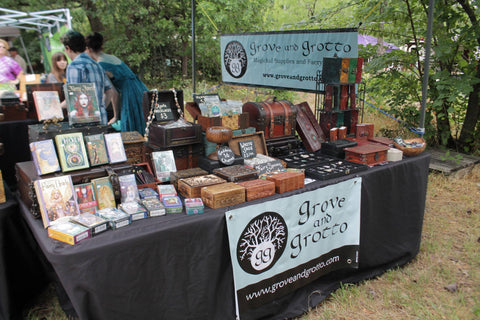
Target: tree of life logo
235, 59
262, 242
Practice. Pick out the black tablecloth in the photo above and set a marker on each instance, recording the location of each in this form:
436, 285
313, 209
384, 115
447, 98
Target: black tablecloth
178, 266
22, 269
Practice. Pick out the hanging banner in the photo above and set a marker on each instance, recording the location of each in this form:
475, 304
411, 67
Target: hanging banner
50, 44
281, 245
287, 59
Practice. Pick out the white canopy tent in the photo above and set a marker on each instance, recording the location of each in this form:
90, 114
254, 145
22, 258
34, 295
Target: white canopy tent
11, 21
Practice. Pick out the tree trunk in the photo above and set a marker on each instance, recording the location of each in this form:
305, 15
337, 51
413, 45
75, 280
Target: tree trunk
92, 15
472, 116
444, 134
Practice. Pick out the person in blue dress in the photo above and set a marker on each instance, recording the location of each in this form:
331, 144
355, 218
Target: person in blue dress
127, 83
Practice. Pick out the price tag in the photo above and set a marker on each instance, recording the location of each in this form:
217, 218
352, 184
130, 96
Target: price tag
247, 149
163, 112
225, 155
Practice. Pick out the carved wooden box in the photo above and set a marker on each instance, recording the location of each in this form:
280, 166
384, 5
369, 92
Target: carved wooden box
369, 154
223, 195
258, 188
236, 173
186, 173
288, 181
190, 187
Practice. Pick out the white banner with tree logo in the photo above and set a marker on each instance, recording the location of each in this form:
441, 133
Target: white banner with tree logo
283, 59
281, 245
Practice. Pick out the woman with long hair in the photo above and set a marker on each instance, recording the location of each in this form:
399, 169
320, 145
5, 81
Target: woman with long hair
59, 65
127, 83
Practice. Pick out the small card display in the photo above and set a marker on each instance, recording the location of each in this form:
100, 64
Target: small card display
71, 151
47, 105
96, 149
44, 156
56, 199
164, 162
104, 193
87, 202
247, 149
128, 188
82, 104
115, 147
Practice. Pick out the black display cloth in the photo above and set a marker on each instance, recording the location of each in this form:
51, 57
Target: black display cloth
14, 135
22, 269
178, 266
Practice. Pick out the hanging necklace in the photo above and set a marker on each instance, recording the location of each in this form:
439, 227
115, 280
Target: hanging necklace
151, 114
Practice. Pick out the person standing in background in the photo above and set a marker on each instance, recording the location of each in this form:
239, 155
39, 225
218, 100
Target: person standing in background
15, 56
10, 70
127, 83
59, 66
84, 69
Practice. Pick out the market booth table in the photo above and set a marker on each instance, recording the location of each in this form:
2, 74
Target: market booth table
178, 266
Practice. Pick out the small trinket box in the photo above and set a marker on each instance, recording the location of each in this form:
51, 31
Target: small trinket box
194, 205
173, 204
258, 188
222, 195
190, 187
236, 173
288, 181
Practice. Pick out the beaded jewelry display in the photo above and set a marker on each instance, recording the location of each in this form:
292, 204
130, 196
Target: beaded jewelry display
151, 114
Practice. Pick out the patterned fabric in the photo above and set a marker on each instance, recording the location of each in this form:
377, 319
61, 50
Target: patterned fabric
131, 89
9, 69
84, 69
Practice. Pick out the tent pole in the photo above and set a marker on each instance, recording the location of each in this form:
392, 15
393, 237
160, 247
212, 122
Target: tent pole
193, 46
426, 68
26, 55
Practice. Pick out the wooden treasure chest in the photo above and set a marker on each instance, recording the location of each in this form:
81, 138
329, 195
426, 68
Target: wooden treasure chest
165, 125
190, 187
370, 154
37, 132
223, 195
236, 173
288, 180
258, 188
134, 144
186, 156
275, 118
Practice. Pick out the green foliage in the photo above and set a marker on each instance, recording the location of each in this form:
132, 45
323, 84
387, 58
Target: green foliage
397, 77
